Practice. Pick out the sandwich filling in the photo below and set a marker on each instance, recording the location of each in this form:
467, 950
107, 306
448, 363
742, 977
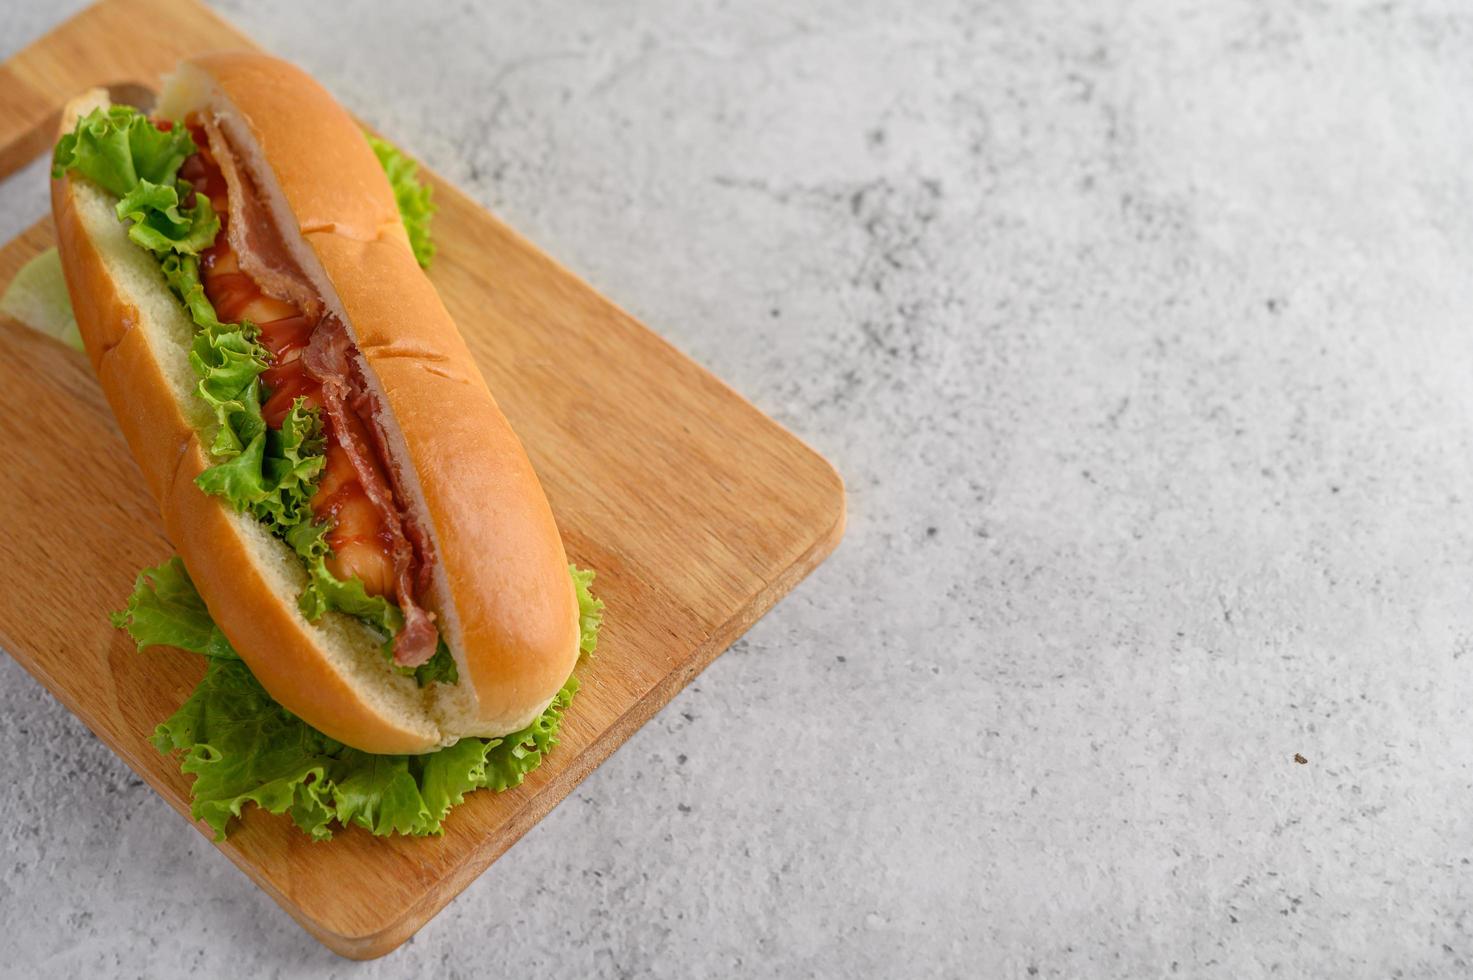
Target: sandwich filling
296, 438
249, 276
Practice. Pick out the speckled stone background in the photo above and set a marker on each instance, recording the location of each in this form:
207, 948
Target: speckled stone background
1142, 335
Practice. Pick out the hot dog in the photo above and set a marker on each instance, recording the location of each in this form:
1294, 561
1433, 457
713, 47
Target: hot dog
356, 513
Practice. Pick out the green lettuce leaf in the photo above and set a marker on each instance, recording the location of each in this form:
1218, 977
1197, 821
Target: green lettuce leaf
590, 609
242, 747
439, 668
238, 479
294, 462
160, 226
121, 150
325, 591
181, 272
379, 793
446, 776
412, 196
118, 147
165, 610
227, 360
509, 759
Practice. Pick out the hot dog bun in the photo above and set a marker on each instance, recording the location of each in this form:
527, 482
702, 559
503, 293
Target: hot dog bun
501, 592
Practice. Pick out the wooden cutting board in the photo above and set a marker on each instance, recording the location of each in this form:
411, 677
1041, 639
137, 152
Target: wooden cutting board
697, 511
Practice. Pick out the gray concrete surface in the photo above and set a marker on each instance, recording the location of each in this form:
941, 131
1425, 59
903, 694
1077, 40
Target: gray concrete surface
1141, 333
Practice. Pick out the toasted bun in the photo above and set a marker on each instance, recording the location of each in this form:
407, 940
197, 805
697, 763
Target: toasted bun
501, 592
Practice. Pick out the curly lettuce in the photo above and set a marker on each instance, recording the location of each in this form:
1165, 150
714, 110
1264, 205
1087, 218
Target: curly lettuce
165, 610
243, 748
412, 196
159, 223
119, 148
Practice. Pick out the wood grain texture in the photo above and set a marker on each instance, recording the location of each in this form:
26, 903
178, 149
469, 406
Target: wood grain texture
697, 511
